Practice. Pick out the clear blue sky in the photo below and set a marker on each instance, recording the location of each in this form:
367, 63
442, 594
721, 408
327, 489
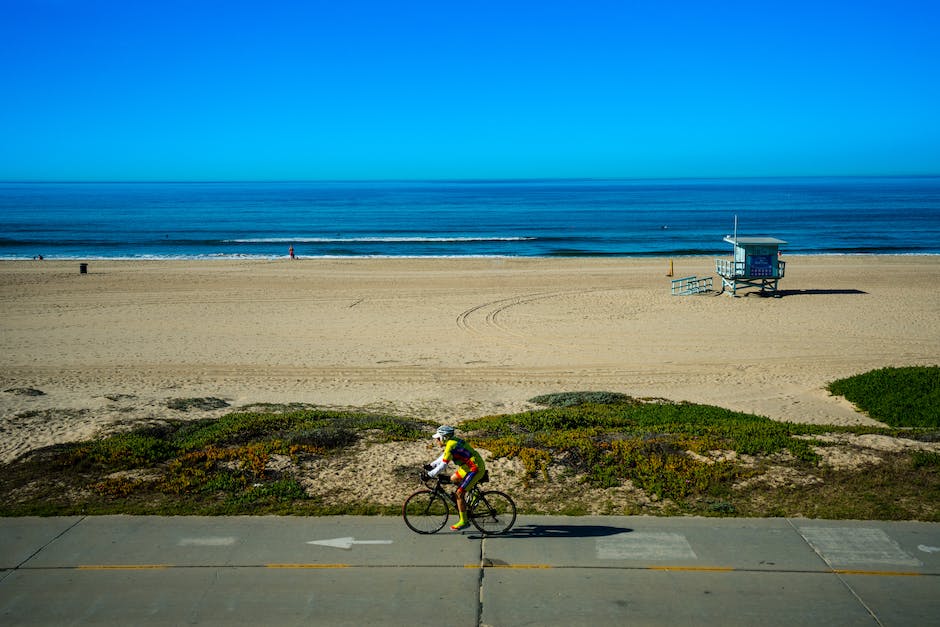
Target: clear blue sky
354, 89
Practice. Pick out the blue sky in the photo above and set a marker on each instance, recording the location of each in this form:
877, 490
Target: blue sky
268, 90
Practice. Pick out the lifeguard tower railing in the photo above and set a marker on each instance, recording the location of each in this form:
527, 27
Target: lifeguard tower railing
756, 264
737, 271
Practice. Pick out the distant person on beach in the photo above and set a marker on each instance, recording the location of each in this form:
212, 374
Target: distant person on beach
291, 251
470, 467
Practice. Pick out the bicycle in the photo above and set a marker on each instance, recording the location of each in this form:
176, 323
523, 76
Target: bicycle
426, 511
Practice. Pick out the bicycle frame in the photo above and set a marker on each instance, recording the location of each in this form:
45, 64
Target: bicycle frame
436, 484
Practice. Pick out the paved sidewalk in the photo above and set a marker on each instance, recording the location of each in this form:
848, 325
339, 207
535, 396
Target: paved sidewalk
547, 571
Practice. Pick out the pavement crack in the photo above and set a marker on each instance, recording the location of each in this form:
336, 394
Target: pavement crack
480, 575
42, 548
832, 568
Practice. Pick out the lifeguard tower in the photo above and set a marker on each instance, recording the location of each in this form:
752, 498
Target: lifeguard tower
756, 264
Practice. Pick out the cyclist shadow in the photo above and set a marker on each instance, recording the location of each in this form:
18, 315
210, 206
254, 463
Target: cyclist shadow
562, 531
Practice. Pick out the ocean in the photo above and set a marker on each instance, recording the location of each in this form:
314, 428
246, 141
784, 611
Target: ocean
539, 218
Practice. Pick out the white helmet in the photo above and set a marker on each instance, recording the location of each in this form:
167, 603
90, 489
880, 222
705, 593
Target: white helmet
444, 433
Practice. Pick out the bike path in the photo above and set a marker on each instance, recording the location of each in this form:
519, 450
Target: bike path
547, 570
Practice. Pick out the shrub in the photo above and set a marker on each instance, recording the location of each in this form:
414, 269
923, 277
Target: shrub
203, 404
123, 451
571, 399
325, 438
925, 459
647, 443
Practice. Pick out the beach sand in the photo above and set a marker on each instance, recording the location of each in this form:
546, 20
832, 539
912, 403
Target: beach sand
444, 339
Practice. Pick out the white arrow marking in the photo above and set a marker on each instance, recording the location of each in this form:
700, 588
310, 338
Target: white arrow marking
346, 543
929, 549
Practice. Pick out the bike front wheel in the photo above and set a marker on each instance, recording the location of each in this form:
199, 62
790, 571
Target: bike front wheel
494, 513
425, 511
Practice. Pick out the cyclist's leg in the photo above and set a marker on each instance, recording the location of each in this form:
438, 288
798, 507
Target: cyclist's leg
464, 479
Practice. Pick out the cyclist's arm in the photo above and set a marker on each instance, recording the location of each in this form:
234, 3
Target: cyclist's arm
441, 462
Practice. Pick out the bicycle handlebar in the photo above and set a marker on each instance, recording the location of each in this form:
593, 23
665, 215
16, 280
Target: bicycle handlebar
441, 478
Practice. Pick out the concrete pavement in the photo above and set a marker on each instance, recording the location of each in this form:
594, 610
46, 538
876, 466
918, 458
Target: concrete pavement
547, 571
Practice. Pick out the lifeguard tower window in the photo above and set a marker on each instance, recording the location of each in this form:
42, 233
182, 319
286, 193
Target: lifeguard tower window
756, 264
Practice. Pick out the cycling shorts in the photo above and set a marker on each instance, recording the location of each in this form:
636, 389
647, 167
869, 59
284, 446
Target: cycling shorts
468, 478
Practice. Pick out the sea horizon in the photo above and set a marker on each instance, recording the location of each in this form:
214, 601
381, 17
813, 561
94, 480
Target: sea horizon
571, 217
467, 180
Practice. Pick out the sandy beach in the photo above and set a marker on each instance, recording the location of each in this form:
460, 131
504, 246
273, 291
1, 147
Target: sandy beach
441, 338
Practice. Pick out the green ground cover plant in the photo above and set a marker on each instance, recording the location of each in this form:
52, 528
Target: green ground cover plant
900, 397
671, 457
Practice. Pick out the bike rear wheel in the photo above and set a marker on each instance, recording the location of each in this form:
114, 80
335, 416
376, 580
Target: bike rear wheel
493, 513
425, 511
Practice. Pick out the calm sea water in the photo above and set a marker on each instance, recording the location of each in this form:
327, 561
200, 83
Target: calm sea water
484, 218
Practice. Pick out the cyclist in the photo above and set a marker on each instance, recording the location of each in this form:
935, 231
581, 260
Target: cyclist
470, 467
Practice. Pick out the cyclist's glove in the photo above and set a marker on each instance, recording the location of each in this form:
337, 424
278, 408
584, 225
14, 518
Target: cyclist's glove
437, 467
428, 466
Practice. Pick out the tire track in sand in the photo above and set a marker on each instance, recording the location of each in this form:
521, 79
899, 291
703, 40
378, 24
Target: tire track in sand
485, 321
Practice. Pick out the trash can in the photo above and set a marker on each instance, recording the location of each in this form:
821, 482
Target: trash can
83, 268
